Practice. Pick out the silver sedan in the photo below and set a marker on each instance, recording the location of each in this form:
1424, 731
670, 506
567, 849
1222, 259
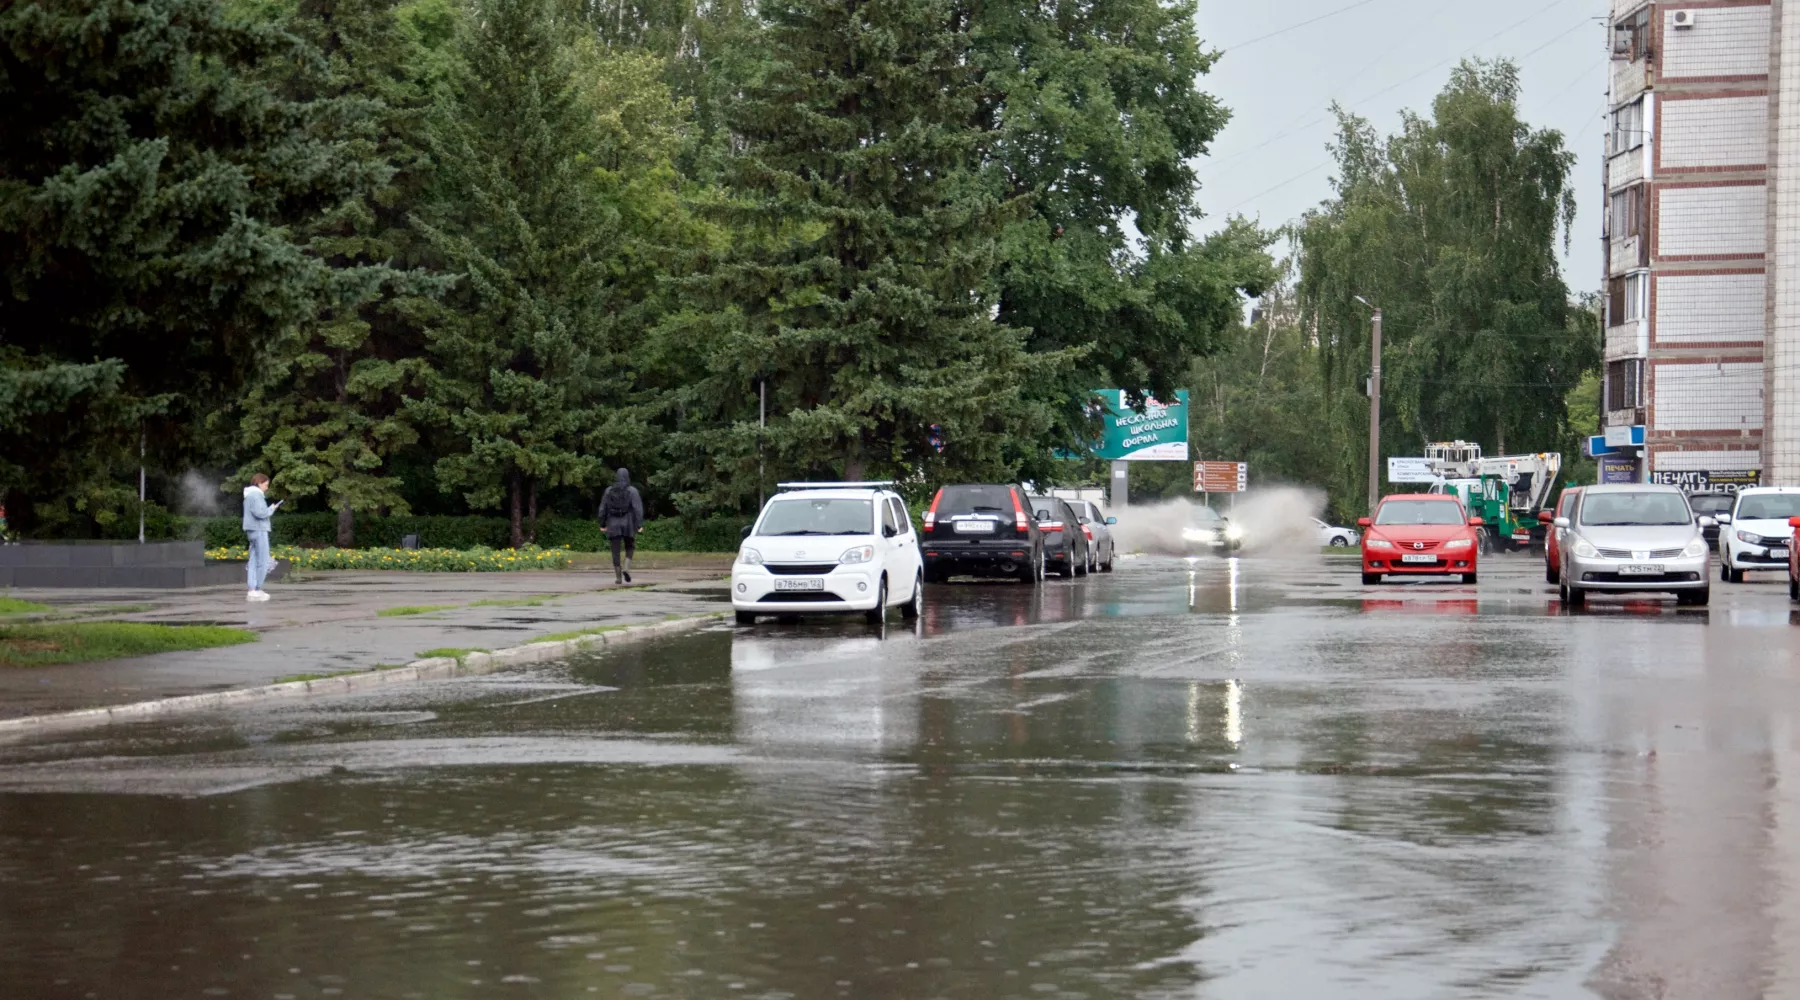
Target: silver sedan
1633, 537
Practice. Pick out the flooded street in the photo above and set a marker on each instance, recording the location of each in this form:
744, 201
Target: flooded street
1222, 779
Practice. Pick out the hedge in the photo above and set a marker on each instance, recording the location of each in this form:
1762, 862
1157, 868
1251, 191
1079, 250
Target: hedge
478, 559
717, 534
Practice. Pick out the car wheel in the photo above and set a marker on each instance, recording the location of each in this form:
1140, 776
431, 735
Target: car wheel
912, 609
1339, 542
1081, 568
1371, 579
1694, 598
932, 576
1043, 566
1469, 577
877, 614
1574, 597
1550, 574
746, 618
1729, 575
1793, 589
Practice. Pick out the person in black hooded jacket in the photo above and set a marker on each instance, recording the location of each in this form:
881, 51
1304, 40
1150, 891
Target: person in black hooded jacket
622, 515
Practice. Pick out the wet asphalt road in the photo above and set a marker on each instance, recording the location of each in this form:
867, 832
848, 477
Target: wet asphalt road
1221, 779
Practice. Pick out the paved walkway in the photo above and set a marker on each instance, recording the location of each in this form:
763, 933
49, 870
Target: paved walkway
330, 622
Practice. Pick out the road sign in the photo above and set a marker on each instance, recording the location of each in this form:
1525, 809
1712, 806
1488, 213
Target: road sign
1411, 470
1221, 477
1160, 433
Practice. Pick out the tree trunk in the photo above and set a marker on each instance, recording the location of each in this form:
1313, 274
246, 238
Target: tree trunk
518, 530
531, 512
346, 533
853, 461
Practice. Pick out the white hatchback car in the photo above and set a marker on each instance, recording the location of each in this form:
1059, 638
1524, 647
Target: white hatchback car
829, 548
1756, 534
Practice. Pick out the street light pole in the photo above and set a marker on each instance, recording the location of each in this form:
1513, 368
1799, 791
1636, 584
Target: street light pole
1374, 407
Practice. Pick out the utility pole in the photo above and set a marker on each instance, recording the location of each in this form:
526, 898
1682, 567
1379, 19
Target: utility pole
143, 439
762, 426
1374, 407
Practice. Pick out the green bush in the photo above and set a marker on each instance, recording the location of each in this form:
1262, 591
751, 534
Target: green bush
669, 534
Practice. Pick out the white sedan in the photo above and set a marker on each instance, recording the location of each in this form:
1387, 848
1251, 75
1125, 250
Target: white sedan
1337, 538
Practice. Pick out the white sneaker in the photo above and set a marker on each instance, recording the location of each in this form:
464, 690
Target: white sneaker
258, 595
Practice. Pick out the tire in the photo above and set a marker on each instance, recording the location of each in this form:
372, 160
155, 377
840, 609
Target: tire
1043, 566
1574, 597
932, 576
1028, 573
878, 614
1469, 577
1371, 579
1694, 598
912, 609
1086, 558
746, 618
1793, 589
1339, 542
1550, 574
1729, 575
1067, 569
1111, 554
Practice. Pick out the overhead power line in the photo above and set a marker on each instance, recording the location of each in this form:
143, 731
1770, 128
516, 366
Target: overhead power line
1297, 26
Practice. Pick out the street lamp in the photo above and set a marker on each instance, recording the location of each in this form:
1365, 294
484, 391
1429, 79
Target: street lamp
1374, 405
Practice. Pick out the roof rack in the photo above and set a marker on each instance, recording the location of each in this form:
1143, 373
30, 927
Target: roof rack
874, 485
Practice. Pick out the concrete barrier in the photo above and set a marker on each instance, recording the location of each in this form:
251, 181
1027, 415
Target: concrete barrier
435, 668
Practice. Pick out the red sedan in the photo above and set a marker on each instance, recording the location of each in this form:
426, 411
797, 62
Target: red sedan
1414, 534
1553, 537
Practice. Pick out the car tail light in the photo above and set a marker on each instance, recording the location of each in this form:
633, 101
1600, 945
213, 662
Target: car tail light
1089, 532
1055, 526
931, 514
1019, 514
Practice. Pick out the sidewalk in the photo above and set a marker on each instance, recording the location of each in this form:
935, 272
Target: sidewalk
329, 622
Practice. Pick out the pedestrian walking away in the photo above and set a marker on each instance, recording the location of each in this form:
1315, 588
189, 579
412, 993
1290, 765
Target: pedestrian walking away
257, 514
622, 515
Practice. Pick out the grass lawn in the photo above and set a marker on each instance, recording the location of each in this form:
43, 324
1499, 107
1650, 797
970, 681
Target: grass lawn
412, 609
454, 652
14, 606
80, 642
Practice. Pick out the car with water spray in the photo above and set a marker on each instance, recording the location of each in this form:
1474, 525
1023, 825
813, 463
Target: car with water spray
983, 530
829, 548
1754, 534
1633, 538
1210, 531
1420, 534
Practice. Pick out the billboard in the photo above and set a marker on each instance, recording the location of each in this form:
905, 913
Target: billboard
1221, 477
1411, 470
1159, 434
1709, 482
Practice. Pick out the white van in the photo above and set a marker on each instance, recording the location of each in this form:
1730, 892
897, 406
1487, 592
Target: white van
829, 548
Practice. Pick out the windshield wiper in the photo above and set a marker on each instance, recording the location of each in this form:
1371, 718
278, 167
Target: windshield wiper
803, 531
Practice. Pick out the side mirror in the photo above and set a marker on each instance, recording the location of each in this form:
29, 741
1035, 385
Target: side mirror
1706, 520
1561, 522
1545, 517
1794, 522
746, 532
1476, 522
1721, 518
888, 531
1363, 522
1112, 520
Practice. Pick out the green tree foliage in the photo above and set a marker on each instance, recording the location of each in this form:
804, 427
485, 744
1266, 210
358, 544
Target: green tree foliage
148, 178
861, 286
1451, 226
327, 410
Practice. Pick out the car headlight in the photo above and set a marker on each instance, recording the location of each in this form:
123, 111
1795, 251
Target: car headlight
1753, 539
860, 554
1197, 534
1457, 544
1233, 532
1378, 543
1697, 547
1585, 549
749, 556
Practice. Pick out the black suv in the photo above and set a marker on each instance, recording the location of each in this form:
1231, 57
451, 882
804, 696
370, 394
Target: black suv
1065, 542
982, 530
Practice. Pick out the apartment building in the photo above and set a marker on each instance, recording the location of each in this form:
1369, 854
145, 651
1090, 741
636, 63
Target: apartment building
1702, 244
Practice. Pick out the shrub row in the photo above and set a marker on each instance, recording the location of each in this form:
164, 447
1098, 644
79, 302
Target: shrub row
479, 559
718, 534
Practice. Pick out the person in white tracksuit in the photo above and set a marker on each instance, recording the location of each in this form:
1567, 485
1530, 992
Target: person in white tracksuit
257, 514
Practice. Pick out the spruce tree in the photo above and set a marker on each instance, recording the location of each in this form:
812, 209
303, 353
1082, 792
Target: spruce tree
521, 363
862, 288
149, 180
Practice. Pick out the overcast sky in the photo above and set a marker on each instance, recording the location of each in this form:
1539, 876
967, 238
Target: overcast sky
1280, 74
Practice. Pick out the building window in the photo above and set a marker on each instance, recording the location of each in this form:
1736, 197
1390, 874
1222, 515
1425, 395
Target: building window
1625, 384
1635, 287
1630, 212
1628, 126
1627, 298
1631, 37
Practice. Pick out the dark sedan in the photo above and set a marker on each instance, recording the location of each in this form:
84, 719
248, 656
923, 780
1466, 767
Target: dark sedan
1711, 505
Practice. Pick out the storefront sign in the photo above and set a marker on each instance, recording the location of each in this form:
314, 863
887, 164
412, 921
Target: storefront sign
1618, 469
1698, 481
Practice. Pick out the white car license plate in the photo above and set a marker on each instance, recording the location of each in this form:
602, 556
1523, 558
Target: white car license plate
1778, 553
801, 583
1641, 569
974, 527
1412, 558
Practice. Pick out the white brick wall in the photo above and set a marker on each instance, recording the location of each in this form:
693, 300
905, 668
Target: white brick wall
1724, 41
1781, 444
1709, 307
1705, 461
1707, 397
1718, 132
1700, 221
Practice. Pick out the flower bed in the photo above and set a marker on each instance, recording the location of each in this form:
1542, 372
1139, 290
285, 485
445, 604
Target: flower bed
475, 560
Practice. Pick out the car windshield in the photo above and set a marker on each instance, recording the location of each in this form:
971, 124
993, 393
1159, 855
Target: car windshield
1419, 512
1206, 516
1710, 505
1768, 506
1647, 508
819, 517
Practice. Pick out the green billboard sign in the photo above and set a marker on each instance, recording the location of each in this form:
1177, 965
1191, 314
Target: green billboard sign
1159, 434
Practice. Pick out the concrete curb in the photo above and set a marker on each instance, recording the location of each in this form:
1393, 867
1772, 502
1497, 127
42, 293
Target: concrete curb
438, 667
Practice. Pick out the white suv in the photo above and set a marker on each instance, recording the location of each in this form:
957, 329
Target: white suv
1756, 535
824, 548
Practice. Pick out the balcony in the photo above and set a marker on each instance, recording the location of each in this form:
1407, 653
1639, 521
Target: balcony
1626, 167
1627, 340
1628, 254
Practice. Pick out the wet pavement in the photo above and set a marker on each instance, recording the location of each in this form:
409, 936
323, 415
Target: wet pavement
1253, 778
